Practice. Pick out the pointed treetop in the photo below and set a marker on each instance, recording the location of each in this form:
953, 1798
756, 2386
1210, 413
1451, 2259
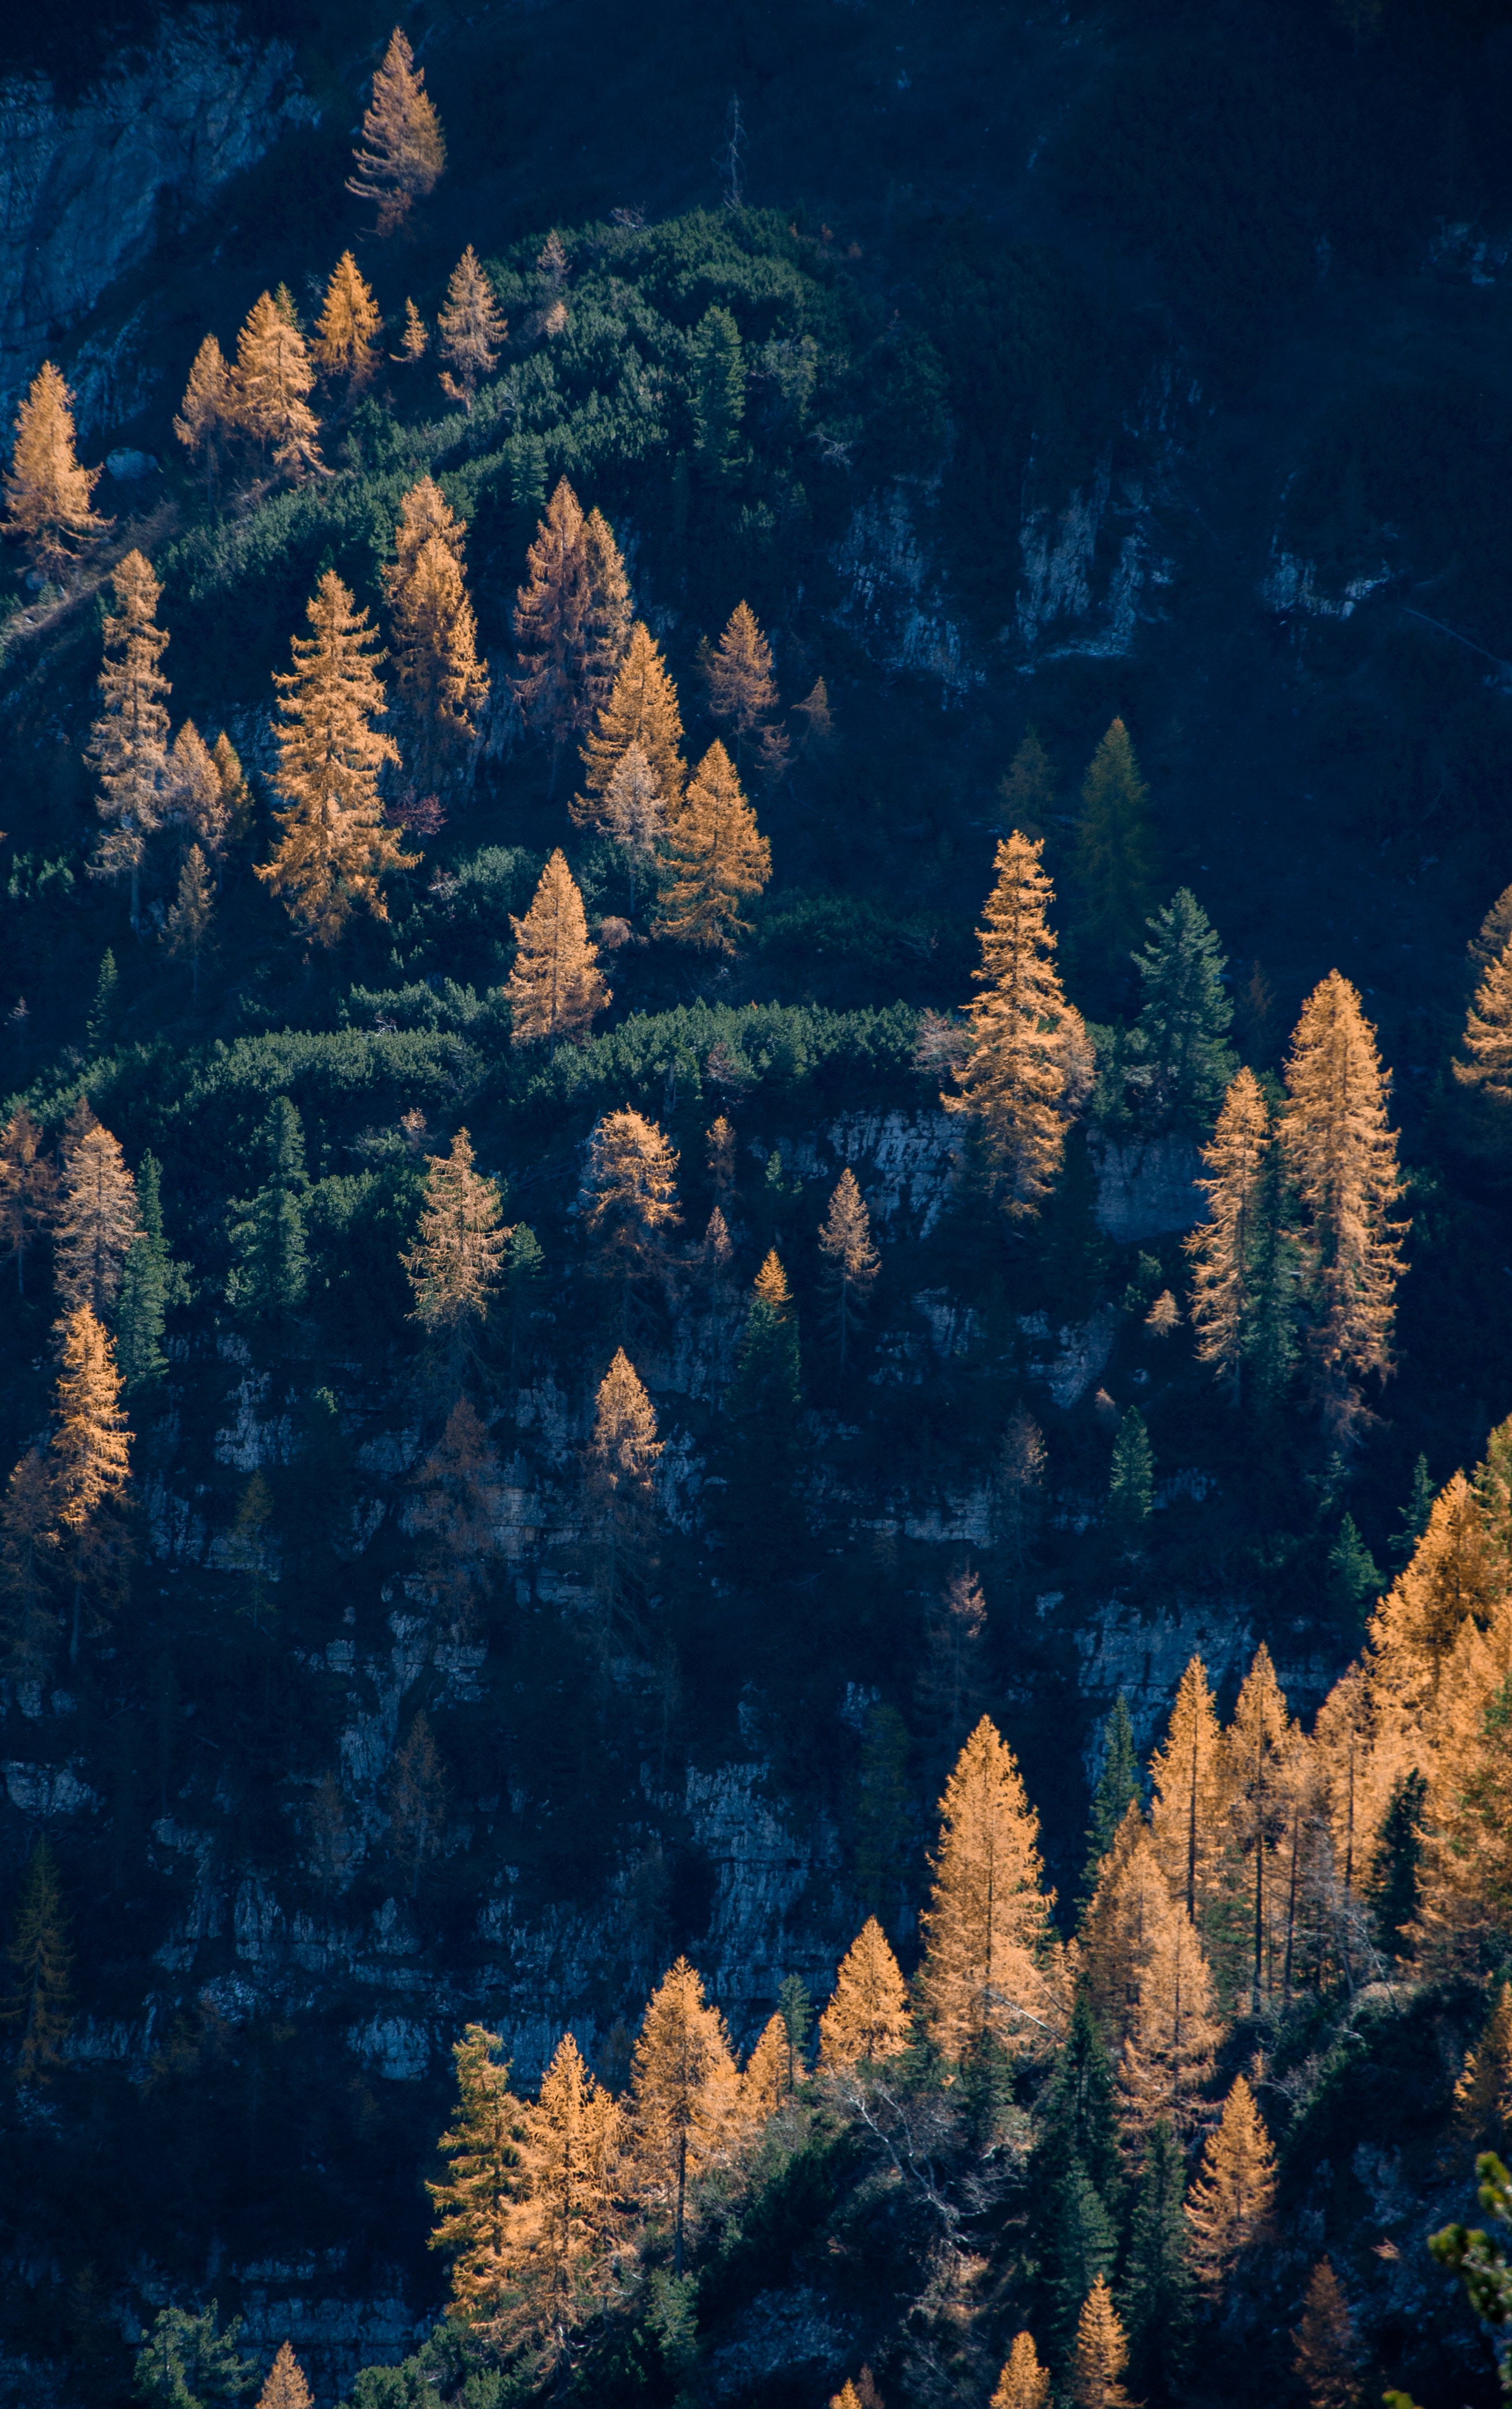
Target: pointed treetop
48, 495
403, 151
349, 320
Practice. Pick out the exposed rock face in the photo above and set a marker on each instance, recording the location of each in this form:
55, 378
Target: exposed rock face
81, 188
1148, 1187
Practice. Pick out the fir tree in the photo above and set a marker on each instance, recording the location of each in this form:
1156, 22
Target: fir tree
1114, 852
435, 633
270, 1269
207, 412
715, 856
1157, 2291
1242, 1259
1026, 1063
768, 1374
1023, 2383
524, 1269
149, 1278
794, 2006
641, 710
716, 367
851, 1261
1116, 1789
684, 2093
48, 495
196, 793
742, 688
1078, 2245
1231, 2198
128, 742
349, 320
627, 1204
867, 2019
185, 2359
555, 987
29, 1564
552, 626
272, 382
623, 1454
187, 927
90, 1452
28, 1190
335, 847
1130, 1478
403, 151
417, 1801
454, 1514
570, 2138
1187, 1811
38, 1998
1184, 1015
990, 1962
473, 2201
1326, 2354
456, 1262
1099, 2354
285, 2388
1028, 788
469, 330
99, 1217
1353, 1576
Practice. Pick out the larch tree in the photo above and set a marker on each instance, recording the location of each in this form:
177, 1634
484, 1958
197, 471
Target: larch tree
49, 496
186, 928
349, 320
273, 382
1174, 2029
633, 811
742, 688
851, 1261
764, 2077
473, 2203
640, 710
28, 1191
435, 631
403, 151
684, 2093
128, 741
1326, 2352
950, 1681
568, 2144
607, 628
551, 629
1026, 1066
1115, 863
1023, 2383
555, 987
1231, 2201
37, 2000
270, 1265
627, 1203
866, 2020
415, 341
335, 847
715, 856
195, 792
97, 1219
456, 1266
469, 330
1239, 1302
623, 1453
1254, 1771
1483, 2094
1342, 1153
233, 786
207, 415
1117, 1929
1485, 1065
1099, 2354
768, 1385
285, 2388
989, 1963
454, 1514
1181, 1051
1188, 1809
1028, 787
90, 1452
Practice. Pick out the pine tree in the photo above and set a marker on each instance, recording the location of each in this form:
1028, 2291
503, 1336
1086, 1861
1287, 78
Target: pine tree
627, 1204
1027, 1058
403, 150
453, 1515
1184, 1015
98, 1218
742, 688
208, 413
48, 495
852, 1262
1130, 1478
552, 626
128, 742
90, 1453
716, 369
1342, 1154
28, 1190
456, 1262
149, 1277
1117, 1788
37, 2000
1483, 2095
684, 2093
271, 1270
989, 1964
1114, 852
570, 2138
473, 2203
184, 2360
623, 1454
349, 320
1028, 787
555, 987
435, 633
1488, 1035
1242, 1261
469, 329
196, 793
1255, 1751
764, 2084
1231, 2198
29, 1623
335, 847
272, 382
1023, 2383
1393, 1886
716, 856
1188, 1809
1156, 2292
1100, 2354
1326, 2354
768, 1372
187, 927
642, 709
866, 2020
285, 2388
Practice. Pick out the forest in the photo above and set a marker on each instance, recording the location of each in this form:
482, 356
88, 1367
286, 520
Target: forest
756, 1002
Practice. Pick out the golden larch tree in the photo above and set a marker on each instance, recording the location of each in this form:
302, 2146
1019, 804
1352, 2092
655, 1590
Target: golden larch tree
1121, 1913
627, 1203
335, 848
623, 1453
28, 1191
866, 2020
763, 2083
285, 2388
128, 742
1342, 1154
91, 1450
684, 2093
1174, 2028
1189, 1809
642, 709
435, 631
715, 856
474, 2202
349, 320
1225, 1249
552, 630
48, 495
555, 987
563, 2223
403, 151
1023, 2383
1487, 1044
851, 1261
469, 330
990, 1960
1230, 2201
194, 793
273, 381
607, 631
207, 412
1454, 1575
742, 688
97, 1219
1483, 2095
456, 1263
233, 786
1028, 1063
415, 341
1099, 2354
1256, 1747
1326, 2352
950, 1686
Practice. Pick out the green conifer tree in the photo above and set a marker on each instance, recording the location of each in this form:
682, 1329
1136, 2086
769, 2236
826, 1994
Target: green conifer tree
36, 2009
1157, 2295
717, 369
1117, 1785
100, 1027
151, 1281
186, 2364
1130, 1478
1353, 1576
1082, 2114
271, 1272
1115, 857
1414, 1513
1395, 1881
1180, 1048
1078, 2241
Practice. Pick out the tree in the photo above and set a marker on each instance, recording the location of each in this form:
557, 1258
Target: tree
851, 1261
28, 1188
1100, 2354
474, 2199
469, 329
818, 738
1326, 2349
684, 2093
950, 1681
550, 626
555, 985
1343, 1159
1173, 2030
622, 1455
716, 369
349, 320
989, 1957
454, 1514
29, 1624
763, 2083
716, 856
742, 688
866, 2020
417, 1801
1189, 1807
187, 927
149, 1279
1231, 2198
1028, 787
403, 151
524, 1277
1116, 1789
1394, 1884
627, 1203
186, 2364
1241, 1258
1157, 2291
1019, 1481
415, 341
1353, 1576
99, 1217
196, 793
90, 1445
456, 1262
768, 1385
607, 627
39, 2001
1082, 2122
570, 2138
1023, 2383
48, 495
207, 412
641, 710
128, 742
285, 2388
1130, 1478
794, 2006
1483, 2095
234, 787
435, 633
1255, 1751
335, 847
1488, 1038
1114, 852
270, 1268
1027, 1059
272, 382
1184, 1015
633, 812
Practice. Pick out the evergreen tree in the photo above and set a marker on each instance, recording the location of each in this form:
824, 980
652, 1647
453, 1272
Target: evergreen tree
1082, 2117
469, 330
128, 742
1342, 1154
207, 412
867, 2019
552, 630
272, 382
1116, 1789
99, 1029
1394, 1883
1023, 2383
149, 1279
473, 2201
641, 710
818, 738
1231, 2198
1414, 1513
950, 1681
349, 320
1327, 2355
1099, 2354
716, 856
1022, 1462
1243, 1267
1189, 1808
627, 1204
851, 1261
742, 688
29, 1622
717, 366
769, 1373
435, 633
1026, 1066
1114, 852
1130, 1478
989, 1960
569, 2139
335, 847
684, 2093
28, 1190
1354, 1577
270, 1268
403, 151
195, 792
456, 1262
1156, 2292
1184, 1015
285, 2388
48, 495
185, 2363
99, 1217
555, 987
38, 1999
623, 1454
525, 1271
187, 927
795, 2005
453, 1515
